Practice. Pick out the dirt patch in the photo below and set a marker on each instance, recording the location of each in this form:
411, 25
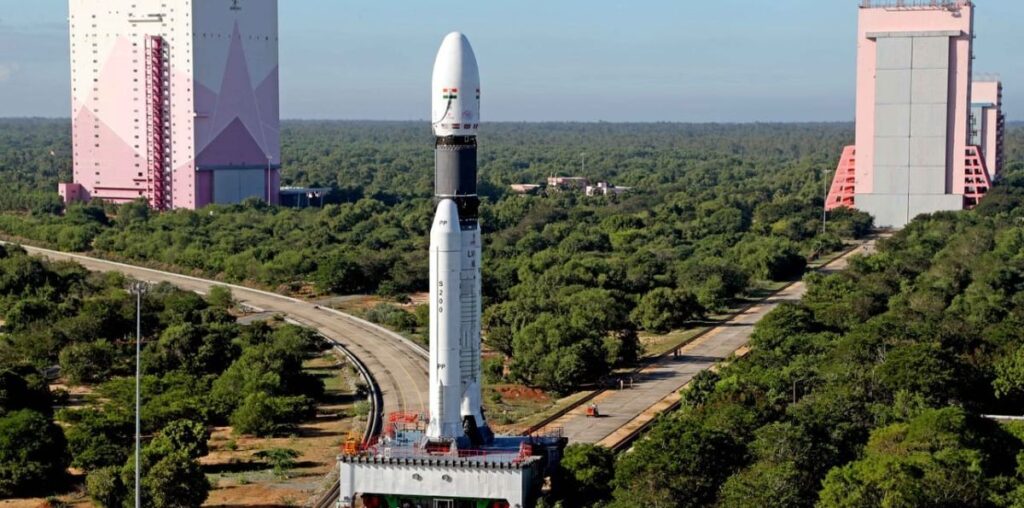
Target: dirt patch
240, 478
507, 404
512, 394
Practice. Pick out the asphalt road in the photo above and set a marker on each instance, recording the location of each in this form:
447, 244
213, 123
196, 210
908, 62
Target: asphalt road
398, 365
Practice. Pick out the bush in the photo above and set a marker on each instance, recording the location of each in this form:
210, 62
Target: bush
393, 317
88, 362
33, 454
281, 459
264, 415
221, 297
105, 488
493, 370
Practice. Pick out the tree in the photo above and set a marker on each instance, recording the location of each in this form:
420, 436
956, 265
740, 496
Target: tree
771, 258
1009, 380
766, 485
682, 463
24, 388
87, 362
339, 273
263, 415
663, 310
938, 459
588, 471
785, 473
182, 436
713, 280
171, 481
552, 354
106, 488
33, 454
98, 438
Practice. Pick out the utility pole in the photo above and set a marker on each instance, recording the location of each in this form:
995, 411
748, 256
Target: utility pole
138, 288
824, 203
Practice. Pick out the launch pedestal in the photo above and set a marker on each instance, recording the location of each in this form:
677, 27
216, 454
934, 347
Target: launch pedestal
401, 472
434, 482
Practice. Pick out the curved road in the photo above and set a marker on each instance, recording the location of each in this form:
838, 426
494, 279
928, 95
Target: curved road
397, 364
400, 366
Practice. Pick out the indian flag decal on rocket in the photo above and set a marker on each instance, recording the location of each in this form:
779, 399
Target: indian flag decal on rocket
450, 94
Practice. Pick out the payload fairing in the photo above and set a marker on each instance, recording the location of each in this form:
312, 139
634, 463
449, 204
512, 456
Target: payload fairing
455, 249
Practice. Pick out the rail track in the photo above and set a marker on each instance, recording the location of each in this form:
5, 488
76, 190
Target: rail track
374, 419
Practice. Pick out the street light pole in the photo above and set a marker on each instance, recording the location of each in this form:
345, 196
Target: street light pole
824, 204
138, 288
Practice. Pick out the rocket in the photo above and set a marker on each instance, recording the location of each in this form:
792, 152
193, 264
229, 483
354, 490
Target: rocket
455, 249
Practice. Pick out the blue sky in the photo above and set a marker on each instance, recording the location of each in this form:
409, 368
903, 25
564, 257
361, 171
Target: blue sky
544, 60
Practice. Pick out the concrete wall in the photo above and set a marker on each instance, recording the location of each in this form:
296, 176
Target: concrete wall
465, 482
897, 210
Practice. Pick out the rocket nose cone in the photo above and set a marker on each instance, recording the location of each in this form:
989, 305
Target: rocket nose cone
455, 44
455, 88
455, 59
446, 234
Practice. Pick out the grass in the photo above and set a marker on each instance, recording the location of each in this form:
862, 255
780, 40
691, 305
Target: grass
541, 414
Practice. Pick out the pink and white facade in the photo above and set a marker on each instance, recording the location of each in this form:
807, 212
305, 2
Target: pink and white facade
175, 102
988, 122
913, 152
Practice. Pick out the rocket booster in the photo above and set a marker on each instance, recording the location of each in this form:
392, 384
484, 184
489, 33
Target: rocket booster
445, 315
455, 109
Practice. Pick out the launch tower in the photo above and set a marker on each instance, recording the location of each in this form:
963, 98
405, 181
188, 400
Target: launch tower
914, 151
174, 102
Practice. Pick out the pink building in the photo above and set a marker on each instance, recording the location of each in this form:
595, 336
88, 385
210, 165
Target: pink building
988, 122
176, 102
913, 151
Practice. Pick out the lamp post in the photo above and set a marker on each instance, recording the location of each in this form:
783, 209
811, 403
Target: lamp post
824, 202
138, 288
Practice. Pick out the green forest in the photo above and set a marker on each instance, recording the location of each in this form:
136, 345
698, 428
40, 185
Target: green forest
200, 368
715, 212
870, 392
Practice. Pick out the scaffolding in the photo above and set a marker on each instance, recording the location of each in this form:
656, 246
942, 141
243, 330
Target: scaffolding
157, 133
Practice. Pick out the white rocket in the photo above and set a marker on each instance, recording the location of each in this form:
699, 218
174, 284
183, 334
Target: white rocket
445, 316
455, 249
